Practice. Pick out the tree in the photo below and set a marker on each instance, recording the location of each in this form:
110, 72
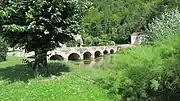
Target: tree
40, 25
3, 50
120, 18
164, 25
88, 41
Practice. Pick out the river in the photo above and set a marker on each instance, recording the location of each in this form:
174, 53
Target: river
94, 63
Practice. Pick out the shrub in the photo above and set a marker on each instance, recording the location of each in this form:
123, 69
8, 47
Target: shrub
111, 43
150, 72
97, 41
166, 24
147, 73
71, 43
3, 50
88, 41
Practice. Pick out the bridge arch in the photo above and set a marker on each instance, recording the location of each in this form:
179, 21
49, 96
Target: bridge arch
56, 57
112, 51
87, 55
74, 56
105, 52
97, 54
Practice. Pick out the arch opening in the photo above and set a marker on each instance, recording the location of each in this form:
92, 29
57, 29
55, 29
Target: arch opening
56, 57
97, 54
112, 51
105, 52
74, 56
87, 55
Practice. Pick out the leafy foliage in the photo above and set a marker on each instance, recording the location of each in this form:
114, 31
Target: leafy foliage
151, 72
40, 25
98, 40
118, 19
167, 24
146, 73
88, 40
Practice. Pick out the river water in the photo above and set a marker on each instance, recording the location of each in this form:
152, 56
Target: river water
94, 63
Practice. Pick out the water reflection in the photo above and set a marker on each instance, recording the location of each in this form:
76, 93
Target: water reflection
93, 63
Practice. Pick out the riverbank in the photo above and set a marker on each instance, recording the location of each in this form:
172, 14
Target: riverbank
18, 83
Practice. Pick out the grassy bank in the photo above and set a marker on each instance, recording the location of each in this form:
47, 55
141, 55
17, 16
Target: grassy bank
69, 83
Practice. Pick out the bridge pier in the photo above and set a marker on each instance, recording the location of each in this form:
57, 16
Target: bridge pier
66, 58
81, 57
93, 56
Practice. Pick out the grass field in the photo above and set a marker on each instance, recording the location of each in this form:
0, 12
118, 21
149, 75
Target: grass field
18, 83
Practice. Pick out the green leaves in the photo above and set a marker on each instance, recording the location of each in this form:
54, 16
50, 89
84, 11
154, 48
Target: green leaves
117, 18
168, 23
3, 13
155, 85
13, 28
40, 24
144, 73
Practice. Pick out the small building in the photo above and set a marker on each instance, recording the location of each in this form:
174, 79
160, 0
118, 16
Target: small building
137, 38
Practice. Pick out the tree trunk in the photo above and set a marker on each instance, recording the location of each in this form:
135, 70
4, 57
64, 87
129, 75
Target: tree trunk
40, 65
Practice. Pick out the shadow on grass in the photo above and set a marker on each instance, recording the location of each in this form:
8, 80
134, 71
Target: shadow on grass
24, 73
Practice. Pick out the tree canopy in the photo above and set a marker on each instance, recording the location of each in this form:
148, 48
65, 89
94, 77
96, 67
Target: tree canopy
118, 19
39, 25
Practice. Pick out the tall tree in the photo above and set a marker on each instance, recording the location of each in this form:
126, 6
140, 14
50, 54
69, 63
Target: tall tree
40, 25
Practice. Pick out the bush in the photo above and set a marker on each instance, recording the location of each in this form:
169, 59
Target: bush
88, 41
97, 41
111, 43
150, 72
71, 43
166, 24
147, 73
3, 50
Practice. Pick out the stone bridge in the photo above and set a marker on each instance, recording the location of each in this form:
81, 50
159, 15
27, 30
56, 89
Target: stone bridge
71, 53
80, 53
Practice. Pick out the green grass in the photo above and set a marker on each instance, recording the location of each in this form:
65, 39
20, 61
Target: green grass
18, 83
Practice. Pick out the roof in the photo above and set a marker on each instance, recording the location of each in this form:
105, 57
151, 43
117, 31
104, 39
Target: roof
136, 33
